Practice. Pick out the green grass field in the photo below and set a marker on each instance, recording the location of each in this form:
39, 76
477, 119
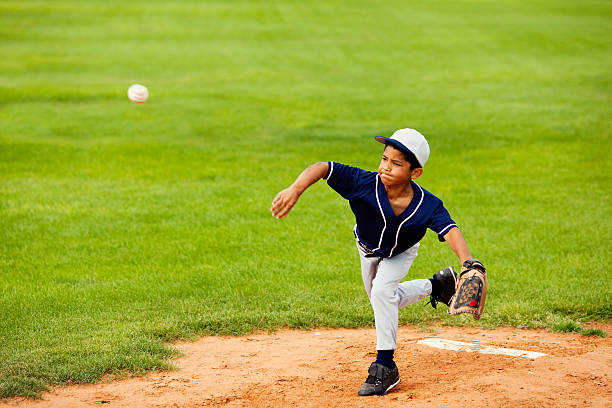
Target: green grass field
126, 226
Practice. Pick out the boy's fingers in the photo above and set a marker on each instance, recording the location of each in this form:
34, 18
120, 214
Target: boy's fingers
282, 210
276, 203
281, 205
277, 209
279, 198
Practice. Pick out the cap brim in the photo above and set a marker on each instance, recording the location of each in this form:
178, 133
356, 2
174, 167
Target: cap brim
396, 144
381, 139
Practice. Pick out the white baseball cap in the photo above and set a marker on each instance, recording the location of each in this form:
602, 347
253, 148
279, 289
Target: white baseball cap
411, 141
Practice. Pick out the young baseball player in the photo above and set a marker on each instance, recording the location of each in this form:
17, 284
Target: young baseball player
392, 214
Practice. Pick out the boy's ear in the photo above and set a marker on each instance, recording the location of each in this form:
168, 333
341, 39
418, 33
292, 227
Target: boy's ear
416, 173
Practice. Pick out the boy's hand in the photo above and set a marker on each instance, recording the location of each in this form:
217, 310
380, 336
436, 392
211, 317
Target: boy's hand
284, 202
286, 199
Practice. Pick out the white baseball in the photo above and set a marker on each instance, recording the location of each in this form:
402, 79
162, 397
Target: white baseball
138, 93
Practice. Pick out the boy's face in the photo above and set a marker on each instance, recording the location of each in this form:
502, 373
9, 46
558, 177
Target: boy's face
394, 169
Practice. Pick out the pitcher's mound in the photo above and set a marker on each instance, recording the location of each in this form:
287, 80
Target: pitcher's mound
324, 368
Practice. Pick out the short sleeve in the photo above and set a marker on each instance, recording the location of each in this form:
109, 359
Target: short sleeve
441, 222
346, 180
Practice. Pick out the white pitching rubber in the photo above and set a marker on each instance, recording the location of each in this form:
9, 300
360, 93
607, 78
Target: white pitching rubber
453, 345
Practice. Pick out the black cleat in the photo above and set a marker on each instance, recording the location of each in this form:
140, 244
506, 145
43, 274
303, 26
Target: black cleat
380, 380
446, 281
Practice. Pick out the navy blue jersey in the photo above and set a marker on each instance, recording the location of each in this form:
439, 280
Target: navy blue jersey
378, 228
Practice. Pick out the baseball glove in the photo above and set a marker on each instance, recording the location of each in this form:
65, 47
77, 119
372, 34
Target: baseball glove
471, 290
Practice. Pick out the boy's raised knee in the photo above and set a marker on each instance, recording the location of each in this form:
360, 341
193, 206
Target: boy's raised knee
382, 292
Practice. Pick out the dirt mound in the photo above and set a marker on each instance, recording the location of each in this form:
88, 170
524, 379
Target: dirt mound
324, 368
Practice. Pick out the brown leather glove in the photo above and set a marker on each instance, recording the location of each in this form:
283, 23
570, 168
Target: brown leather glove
471, 290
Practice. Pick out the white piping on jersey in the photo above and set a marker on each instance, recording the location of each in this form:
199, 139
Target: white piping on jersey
447, 227
331, 170
383, 216
407, 218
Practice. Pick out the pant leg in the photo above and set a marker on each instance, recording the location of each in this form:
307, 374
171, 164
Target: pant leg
369, 268
412, 291
381, 278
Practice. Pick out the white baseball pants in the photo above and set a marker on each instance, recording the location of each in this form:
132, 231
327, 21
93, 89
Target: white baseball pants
381, 279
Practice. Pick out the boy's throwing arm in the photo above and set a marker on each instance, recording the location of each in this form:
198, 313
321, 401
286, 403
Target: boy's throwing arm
286, 199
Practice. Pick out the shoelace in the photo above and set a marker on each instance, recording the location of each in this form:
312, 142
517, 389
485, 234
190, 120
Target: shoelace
433, 302
372, 380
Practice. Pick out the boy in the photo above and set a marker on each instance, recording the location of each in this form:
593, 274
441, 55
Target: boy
392, 214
